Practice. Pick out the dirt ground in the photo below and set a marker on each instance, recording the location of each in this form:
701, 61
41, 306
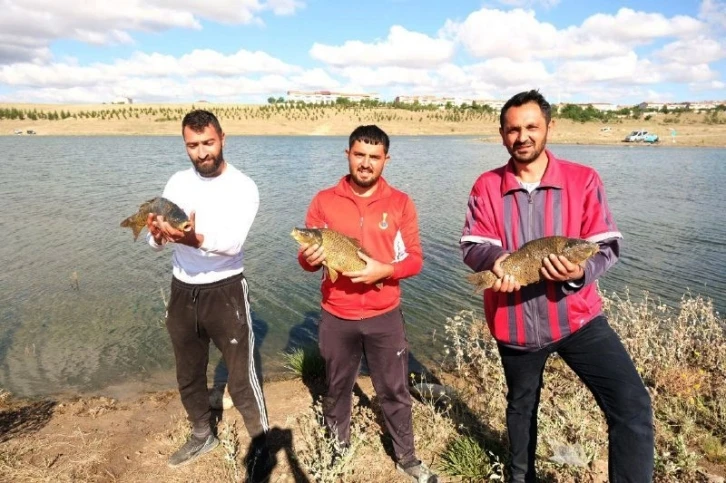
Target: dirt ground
100, 439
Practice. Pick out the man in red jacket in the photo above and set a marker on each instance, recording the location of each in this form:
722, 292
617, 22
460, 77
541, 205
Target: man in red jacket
357, 317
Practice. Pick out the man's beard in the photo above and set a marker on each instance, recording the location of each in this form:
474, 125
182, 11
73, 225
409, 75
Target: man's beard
207, 170
535, 154
363, 183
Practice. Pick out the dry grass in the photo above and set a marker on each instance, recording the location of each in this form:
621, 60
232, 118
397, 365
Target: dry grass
681, 356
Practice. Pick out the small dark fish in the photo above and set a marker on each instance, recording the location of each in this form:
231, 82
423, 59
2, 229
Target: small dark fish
159, 206
341, 252
524, 264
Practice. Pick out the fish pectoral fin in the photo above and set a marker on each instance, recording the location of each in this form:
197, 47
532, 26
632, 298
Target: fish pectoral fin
379, 285
332, 274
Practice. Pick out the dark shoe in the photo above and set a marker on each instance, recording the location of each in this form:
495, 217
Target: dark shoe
192, 449
418, 472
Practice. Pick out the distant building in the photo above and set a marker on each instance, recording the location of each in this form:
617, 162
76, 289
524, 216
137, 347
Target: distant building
122, 100
328, 97
428, 100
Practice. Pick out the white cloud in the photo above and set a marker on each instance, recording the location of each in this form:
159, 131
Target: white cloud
503, 72
629, 69
402, 48
141, 65
631, 26
315, 79
699, 50
714, 13
518, 34
112, 21
284, 7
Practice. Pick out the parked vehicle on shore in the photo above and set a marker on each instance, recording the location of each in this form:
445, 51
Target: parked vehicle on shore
641, 136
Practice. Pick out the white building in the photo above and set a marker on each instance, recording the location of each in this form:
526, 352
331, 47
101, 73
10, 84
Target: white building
328, 97
122, 100
442, 101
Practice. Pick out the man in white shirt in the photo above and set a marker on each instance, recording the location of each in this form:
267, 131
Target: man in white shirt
209, 293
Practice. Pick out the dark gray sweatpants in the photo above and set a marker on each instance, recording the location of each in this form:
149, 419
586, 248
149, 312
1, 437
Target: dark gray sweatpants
383, 341
219, 311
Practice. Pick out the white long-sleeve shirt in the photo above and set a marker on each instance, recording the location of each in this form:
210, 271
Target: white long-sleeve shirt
225, 207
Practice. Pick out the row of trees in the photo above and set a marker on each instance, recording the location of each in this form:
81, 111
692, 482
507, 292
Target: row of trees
369, 109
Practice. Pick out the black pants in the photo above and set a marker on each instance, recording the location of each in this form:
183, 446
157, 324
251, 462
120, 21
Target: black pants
218, 311
600, 360
383, 341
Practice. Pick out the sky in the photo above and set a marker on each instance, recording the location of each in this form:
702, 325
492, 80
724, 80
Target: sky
244, 51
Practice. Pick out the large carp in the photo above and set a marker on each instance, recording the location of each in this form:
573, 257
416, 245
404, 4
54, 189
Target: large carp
174, 215
341, 252
525, 264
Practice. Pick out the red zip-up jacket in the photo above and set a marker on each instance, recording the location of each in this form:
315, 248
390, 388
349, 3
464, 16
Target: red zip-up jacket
386, 225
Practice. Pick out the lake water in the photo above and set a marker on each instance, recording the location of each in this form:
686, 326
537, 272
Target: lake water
63, 199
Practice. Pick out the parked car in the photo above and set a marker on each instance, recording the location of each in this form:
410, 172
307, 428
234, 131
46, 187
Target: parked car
641, 136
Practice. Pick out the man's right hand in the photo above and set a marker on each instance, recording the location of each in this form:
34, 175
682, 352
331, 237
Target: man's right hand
504, 283
313, 254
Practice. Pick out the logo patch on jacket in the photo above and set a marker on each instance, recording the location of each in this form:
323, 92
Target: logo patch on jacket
383, 223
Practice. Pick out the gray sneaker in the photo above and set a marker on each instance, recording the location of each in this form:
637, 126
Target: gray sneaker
418, 472
192, 449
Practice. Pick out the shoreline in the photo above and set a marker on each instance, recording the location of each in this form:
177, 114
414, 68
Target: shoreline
692, 129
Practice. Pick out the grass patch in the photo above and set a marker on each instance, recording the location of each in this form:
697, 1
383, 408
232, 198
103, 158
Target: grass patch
305, 362
464, 457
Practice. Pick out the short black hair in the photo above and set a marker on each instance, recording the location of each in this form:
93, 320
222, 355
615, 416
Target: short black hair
525, 98
198, 119
370, 134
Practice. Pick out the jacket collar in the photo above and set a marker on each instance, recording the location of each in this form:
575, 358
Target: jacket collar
344, 189
552, 177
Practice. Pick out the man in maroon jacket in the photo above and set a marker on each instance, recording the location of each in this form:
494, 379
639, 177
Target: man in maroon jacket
536, 195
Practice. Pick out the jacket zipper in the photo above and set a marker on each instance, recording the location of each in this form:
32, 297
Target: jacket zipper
530, 202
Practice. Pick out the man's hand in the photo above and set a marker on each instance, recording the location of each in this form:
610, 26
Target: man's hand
504, 283
154, 230
372, 273
313, 254
560, 269
163, 232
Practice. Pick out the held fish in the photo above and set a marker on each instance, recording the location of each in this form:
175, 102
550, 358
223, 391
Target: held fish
525, 264
174, 215
341, 252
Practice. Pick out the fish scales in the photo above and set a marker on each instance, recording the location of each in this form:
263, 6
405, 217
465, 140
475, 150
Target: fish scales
341, 252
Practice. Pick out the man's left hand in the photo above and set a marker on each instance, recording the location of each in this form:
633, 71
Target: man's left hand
560, 269
372, 273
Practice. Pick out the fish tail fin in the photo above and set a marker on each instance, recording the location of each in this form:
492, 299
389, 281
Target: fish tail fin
131, 222
482, 280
